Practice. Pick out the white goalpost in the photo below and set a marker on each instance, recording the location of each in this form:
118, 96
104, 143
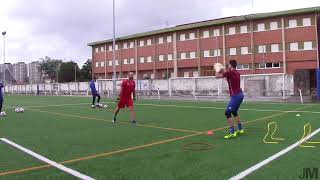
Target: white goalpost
105, 86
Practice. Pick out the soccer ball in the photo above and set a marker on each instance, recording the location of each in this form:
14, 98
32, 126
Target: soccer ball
105, 106
218, 67
19, 110
2, 113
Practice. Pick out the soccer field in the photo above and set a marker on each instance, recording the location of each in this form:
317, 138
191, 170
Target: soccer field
66, 130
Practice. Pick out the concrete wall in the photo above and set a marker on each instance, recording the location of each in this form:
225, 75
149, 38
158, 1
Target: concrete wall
253, 85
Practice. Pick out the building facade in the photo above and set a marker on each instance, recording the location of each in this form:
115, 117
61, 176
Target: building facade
19, 71
34, 72
279, 42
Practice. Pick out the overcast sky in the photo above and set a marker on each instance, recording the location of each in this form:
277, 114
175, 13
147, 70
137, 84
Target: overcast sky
62, 28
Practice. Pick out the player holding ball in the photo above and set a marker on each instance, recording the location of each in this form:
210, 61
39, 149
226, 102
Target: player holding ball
233, 78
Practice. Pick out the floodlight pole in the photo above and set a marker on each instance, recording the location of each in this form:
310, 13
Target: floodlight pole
75, 73
4, 59
114, 50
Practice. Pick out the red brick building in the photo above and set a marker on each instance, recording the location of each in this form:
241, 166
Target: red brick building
279, 42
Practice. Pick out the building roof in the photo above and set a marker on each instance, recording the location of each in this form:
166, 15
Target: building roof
226, 20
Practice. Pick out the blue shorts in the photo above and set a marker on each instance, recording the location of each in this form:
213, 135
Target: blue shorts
235, 102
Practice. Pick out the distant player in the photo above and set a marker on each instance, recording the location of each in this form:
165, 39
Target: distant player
233, 78
94, 93
125, 98
1, 97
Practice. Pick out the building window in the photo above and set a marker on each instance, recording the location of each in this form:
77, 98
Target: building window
117, 62
116, 47
232, 51
262, 49
131, 45
149, 59
149, 42
307, 45
102, 64
97, 64
243, 67
97, 50
110, 63
102, 49
205, 34
110, 47
273, 25
141, 43
131, 60
268, 65
182, 37
192, 55
274, 47
141, 59
243, 29
292, 23
161, 57
294, 46
275, 65
216, 32
261, 27
206, 53
244, 50
192, 36
306, 22
195, 74
232, 30
160, 40
183, 56
170, 57
152, 76
216, 52
125, 45
186, 74
169, 39
125, 61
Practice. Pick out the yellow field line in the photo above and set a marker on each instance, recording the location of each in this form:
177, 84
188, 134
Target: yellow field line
109, 121
133, 148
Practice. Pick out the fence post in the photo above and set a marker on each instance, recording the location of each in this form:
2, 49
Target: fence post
169, 86
194, 88
283, 86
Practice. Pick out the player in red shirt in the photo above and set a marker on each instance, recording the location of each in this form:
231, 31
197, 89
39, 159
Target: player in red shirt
233, 78
127, 89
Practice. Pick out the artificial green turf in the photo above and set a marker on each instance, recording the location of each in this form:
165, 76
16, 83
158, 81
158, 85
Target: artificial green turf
61, 137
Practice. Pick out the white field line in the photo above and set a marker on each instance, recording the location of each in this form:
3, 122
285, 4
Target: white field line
183, 106
222, 108
48, 161
271, 158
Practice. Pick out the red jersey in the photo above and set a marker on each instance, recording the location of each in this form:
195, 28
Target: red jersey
233, 78
127, 88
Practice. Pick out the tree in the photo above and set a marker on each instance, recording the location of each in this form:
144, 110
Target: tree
86, 71
67, 72
50, 67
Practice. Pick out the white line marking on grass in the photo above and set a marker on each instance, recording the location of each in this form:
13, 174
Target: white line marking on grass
222, 108
273, 157
48, 161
